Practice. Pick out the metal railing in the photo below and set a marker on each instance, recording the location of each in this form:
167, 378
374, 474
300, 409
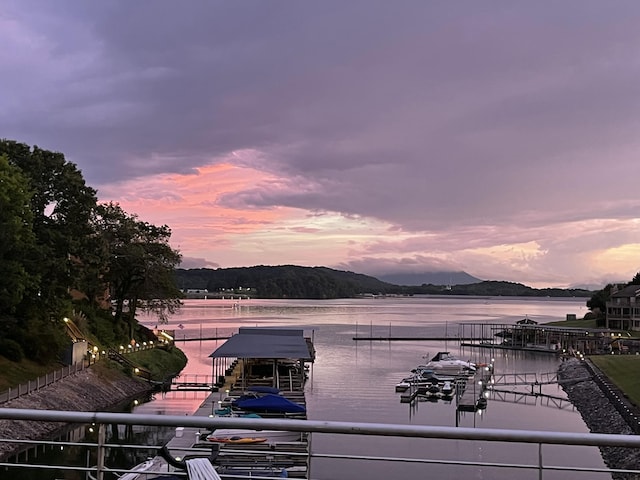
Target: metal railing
102, 419
40, 382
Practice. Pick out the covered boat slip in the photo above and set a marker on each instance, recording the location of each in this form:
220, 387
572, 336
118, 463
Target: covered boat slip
273, 357
528, 335
266, 357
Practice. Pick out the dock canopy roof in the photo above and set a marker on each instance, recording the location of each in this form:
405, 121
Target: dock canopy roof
256, 342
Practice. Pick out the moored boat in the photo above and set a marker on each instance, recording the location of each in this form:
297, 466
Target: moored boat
445, 363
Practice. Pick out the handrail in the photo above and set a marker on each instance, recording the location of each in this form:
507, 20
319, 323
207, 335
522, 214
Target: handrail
349, 428
538, 438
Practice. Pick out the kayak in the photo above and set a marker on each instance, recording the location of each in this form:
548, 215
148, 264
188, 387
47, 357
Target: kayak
239, 440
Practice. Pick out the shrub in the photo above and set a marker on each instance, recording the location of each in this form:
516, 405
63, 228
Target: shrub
11, 350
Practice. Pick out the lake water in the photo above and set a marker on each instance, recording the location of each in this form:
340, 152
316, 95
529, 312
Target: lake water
355, 381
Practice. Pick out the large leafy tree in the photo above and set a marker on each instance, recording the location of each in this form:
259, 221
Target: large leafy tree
17, 242
60, 205
55, 240
140, 265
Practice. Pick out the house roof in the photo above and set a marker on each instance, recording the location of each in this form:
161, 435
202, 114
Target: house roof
627, 292
257, 342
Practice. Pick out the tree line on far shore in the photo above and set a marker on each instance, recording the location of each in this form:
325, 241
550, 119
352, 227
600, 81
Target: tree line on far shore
291, 281
63, 256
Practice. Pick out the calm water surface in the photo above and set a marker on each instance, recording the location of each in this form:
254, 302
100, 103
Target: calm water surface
354, 381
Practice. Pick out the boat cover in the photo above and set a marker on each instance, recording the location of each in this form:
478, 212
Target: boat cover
269, 403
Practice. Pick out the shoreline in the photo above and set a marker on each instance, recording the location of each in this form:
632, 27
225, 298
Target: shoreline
88, 390
599, 414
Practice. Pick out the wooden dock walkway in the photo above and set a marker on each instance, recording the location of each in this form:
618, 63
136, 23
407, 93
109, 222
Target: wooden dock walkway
473, 390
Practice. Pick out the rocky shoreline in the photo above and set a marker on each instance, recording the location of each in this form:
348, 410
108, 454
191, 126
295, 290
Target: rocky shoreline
599, 414
89, 390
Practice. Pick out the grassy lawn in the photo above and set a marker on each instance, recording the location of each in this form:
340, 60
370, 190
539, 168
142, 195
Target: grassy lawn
160, 362
624, 372
580, 323
15, 373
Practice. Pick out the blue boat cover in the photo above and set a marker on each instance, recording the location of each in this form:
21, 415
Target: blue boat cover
269, 403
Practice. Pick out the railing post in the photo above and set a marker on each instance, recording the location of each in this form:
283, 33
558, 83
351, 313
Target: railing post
101, 451
539, 461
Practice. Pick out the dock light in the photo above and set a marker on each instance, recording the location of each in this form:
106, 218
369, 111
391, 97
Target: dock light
66, 320
130, 346
121, 347
486, 368
479, 382
103, 352
144, 344
137, 370
90, 429
135, 402
137, 345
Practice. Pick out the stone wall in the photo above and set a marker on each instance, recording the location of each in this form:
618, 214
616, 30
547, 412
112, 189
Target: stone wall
93, 389
599, 414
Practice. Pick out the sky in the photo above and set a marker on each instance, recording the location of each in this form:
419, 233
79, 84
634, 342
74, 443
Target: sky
496, 137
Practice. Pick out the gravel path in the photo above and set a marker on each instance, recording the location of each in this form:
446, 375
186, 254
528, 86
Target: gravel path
600, 415
85, 391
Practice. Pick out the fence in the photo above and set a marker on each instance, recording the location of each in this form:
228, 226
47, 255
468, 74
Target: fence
385, 432
40, 382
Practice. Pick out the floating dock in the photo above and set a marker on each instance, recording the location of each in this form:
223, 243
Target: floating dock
470, 394
263, 358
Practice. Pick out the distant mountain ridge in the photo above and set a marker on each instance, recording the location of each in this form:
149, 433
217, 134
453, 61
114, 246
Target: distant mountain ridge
291, 281
429, 278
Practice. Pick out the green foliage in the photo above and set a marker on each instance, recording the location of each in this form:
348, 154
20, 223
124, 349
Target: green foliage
17, 240
140, 264
597, 302
11, 350
162, 363
55, 241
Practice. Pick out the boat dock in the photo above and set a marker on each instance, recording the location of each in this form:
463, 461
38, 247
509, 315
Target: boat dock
264, 360
471, 393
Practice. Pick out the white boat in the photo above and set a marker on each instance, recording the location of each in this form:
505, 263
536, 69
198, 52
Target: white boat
447, 389
238, 435
445, 363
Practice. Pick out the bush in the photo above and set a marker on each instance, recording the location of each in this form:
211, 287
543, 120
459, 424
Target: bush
11, 350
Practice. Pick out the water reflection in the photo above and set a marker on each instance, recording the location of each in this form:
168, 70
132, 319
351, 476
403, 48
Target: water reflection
355, 381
